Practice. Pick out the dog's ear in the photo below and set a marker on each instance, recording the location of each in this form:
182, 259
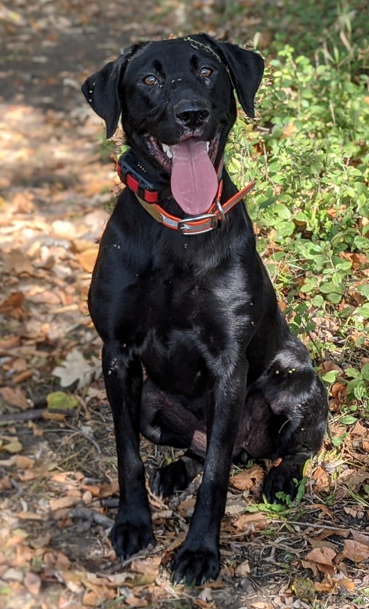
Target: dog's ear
245, 68
102, 90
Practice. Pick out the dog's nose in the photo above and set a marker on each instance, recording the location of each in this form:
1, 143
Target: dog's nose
192, 113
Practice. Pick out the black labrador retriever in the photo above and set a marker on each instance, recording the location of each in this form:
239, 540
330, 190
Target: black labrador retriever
179, 289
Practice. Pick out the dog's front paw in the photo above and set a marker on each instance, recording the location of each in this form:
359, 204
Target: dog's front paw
129, 535
282, 479
195, 566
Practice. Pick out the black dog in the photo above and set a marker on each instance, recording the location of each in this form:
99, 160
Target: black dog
179, 289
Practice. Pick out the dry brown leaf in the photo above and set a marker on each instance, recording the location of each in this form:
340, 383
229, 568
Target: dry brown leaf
346, 583
17, 262
186, 507
355, 551
177, 542
359, 429
328, 366
64, 502
87, 258
354, 478
361, 537
327, 585
351, 511
13, 447
15, 397
251, 522
91, 599
247, 479
323, 555
7, 344
24, 462
30, 516
243, 569
166, 556
148, 566
133, 601
33, 583
107, 490
321, 479
310, 565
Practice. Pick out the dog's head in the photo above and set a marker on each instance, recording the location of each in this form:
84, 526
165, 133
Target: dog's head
177, 105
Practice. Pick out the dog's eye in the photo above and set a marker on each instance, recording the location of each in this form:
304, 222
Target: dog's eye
150, 80
206, 72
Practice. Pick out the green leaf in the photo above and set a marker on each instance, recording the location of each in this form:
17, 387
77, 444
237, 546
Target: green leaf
61, 401
348, 420
330, 376
364, 290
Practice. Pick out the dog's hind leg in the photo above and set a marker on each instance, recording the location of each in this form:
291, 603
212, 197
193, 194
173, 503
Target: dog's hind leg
295, 401
167, 421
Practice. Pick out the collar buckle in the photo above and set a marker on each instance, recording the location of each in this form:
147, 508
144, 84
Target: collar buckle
188, 226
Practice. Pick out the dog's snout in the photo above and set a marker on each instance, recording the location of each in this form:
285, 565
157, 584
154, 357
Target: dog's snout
192, 113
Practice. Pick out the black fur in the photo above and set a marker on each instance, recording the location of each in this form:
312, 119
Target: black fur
226, 378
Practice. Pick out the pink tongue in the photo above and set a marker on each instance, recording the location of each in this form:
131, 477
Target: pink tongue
194, 181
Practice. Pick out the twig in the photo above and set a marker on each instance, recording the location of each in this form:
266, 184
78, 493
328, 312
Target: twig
20, 417
309, 524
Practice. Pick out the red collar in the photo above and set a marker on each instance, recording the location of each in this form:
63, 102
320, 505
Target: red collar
192, 225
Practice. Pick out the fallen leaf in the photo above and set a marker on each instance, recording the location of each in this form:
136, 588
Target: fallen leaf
148, 565
91, 599
355, 551
15, 397
76, 368
206, 595
13, 574
33, 583
17, 262
361, 537
251, 522
30, 516
247, 478
7, 344
13, 447
327, 585
243, 569
87, 258
59, 400
323, 555
63, 502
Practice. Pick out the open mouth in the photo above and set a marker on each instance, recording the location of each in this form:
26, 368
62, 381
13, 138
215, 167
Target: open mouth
190, 163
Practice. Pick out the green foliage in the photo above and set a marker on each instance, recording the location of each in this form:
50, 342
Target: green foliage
309, 155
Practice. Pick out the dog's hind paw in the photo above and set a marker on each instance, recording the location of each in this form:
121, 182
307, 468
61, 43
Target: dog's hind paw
282, 479
195, 567
169, 479
175, 477
130, 537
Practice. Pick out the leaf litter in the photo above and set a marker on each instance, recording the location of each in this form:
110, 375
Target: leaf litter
58, 481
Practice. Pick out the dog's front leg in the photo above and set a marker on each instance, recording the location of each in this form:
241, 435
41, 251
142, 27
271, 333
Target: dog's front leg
132, 530
198, 559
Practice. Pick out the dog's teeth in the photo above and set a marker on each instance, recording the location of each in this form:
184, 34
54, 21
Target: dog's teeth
167, 151
207, 146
